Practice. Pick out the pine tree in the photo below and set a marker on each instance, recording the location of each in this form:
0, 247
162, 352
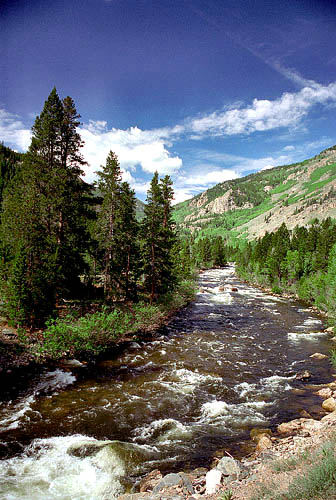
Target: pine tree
128, 242
44, 211
218, 252
158, 238
117, 230
169, 240
109, 180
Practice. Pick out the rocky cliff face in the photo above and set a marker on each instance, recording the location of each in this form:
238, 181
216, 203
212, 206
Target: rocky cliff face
220, 205
294, 194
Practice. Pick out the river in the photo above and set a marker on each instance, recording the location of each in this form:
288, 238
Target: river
225, 364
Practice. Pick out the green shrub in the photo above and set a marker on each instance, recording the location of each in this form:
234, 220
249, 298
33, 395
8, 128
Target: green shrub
96, 332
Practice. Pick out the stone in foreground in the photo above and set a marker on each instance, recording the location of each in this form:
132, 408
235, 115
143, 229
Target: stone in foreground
212, 481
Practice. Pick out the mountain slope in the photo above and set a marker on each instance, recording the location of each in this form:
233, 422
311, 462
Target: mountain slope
140, 209
250, 206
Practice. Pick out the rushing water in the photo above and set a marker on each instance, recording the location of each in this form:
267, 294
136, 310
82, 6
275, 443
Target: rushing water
224, 365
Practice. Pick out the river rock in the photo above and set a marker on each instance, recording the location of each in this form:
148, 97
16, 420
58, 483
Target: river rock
234, 289
150, 481
149, 496
329, 404
127, 455
73, 362
330, 418
212, 481
304, 375
264, 443
311, 425
318, 355
221, 288
325, 393
305, 414
291, 427
229, 467
134, 345
173, 480
257, 433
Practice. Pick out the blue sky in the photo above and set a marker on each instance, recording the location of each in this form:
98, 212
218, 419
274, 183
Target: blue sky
203, 90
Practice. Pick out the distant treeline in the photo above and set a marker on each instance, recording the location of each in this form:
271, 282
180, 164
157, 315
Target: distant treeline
301, 261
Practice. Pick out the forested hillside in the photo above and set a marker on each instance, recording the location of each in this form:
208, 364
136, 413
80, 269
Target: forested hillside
258, 203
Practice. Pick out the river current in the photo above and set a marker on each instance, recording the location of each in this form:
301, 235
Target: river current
225, 364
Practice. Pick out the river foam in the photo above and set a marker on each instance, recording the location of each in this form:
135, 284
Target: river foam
49, 469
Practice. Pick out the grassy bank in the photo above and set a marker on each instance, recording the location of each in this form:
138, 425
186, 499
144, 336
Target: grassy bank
310, 475
94, 333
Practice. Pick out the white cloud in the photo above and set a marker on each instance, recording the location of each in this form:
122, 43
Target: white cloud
183, 194
267, 167
286, 111
146, 148
13, 132
188, 185
243, 164
291, 74
211, 178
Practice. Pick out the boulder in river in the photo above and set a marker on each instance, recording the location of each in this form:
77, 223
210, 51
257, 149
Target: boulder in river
325, 393
126, 455
73, 363
304, 375
329, 404
318, 355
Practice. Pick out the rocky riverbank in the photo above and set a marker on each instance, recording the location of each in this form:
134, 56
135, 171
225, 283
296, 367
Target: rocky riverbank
278, 460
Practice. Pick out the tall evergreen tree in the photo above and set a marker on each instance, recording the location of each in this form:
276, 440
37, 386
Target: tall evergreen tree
158, 238
218, 252
44, 211
117, 231
109, 180
128, 242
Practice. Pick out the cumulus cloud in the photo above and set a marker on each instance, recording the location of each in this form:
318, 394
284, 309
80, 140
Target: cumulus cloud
205, 176
263, 114
146, 148
13, 132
